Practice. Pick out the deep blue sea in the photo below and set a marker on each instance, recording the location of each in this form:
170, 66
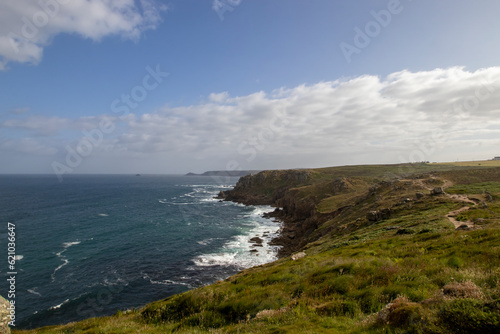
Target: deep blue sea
95, 244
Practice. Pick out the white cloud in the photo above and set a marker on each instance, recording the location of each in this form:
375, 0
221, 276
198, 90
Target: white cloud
218, 97
442, 114
27, 145
27, 26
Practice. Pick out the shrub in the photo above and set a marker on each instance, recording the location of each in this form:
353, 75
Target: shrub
392, 292
236, 310
455, 262
205, 320
369, 301
338, 308
172, 309
402, 313
465, 289
470, 316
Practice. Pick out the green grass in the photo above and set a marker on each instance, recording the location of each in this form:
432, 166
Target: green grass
408, 272
476, 188
482, 163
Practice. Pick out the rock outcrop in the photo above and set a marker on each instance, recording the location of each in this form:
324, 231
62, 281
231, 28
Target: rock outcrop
265, 187
437, 191
375, 216
4, 316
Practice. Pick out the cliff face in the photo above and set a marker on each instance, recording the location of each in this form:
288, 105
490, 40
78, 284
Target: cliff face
300, 220
266, 187
295, 194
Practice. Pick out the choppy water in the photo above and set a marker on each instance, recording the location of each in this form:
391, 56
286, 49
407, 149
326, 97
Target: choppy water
94, 244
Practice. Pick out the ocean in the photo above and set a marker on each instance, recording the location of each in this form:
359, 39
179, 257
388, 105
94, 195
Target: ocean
95, 244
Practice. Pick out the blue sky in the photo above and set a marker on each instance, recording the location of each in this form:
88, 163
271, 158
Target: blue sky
410, 68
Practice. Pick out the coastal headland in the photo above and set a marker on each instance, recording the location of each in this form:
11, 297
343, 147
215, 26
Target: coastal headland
407, 248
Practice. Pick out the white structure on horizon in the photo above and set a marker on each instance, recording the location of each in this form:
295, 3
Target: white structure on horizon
496, 158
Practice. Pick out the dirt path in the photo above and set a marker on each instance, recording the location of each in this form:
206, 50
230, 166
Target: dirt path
452, 214
421, 183
461, 198
457, 197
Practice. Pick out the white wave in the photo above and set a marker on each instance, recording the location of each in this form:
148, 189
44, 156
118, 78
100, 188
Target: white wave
220, 259
206, 186
169, 282
18, 257
59, 305
32, 291
205, 242
260, 210
119, 281
71, 243
103, 214
210, 199
243, 253
65, 261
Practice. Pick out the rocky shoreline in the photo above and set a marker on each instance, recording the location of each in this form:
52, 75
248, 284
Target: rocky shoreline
298, 218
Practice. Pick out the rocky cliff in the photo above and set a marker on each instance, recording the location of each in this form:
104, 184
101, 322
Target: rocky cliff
266, 187
295, 194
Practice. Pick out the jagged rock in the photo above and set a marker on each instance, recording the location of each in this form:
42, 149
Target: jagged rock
256, 240
463, 227
372, 216
484, 205
437, 191
272, 214
4, 316
299, 255
221, 195
419, 195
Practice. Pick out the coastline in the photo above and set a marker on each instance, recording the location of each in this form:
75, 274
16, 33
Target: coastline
298, 218
354, 222
253, 247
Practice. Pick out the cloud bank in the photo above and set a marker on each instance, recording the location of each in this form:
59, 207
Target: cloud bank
27, 27
438, 115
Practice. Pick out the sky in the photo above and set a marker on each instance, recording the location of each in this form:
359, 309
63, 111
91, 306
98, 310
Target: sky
152, 86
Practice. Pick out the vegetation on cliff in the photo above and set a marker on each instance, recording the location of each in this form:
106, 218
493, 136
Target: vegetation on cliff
383, 249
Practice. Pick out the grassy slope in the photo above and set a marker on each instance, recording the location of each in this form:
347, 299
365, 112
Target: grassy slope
410, 271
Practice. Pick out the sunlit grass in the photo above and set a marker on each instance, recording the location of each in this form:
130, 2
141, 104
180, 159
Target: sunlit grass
484, 163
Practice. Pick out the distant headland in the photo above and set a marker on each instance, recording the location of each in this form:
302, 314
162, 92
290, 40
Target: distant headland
233, 173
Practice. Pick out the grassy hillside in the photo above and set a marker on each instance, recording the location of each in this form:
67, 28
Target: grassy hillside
384, 252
